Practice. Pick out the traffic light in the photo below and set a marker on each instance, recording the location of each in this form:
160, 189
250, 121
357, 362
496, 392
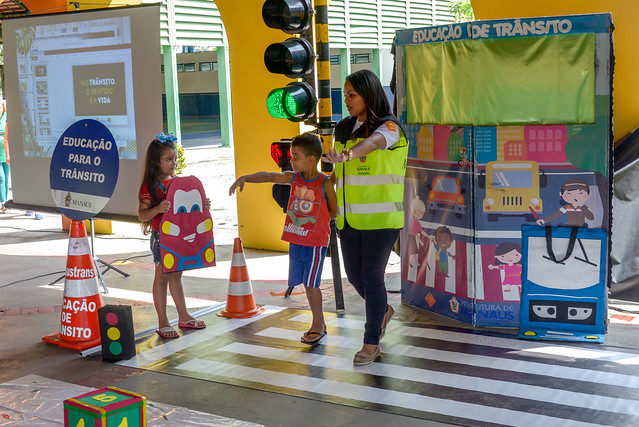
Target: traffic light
116, 332
294, 57
281, 153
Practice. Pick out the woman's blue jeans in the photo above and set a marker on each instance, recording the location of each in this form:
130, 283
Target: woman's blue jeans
365, 254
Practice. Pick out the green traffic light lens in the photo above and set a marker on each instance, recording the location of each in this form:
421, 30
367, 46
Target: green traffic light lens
275, 103
294, 102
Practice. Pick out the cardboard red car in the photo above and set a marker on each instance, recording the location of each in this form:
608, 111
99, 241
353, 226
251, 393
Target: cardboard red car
186, 230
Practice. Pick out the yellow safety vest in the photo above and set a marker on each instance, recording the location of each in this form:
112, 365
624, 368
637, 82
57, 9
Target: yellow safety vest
370, 189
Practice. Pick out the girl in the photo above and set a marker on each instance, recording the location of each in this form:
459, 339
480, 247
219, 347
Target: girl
4, 159
508, 256
161, 161
372, 150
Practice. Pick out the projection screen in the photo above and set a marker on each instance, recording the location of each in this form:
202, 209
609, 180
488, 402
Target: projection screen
97, 64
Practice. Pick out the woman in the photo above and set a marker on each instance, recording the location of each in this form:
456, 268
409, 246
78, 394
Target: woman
370, 153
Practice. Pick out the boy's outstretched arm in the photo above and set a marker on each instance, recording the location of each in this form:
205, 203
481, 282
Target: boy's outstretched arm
274, 177
331, 197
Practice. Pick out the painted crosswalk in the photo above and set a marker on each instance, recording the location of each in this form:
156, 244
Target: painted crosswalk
438, 374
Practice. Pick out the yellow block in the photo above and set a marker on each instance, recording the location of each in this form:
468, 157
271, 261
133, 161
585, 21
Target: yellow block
626, 38
102, 226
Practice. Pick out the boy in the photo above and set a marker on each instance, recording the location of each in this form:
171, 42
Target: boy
441, 242
311, 205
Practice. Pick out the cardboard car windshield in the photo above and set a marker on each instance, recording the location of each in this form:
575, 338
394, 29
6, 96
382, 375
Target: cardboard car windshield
186, 230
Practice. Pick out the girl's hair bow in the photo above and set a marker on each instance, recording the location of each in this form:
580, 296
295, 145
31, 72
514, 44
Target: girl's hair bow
166, 137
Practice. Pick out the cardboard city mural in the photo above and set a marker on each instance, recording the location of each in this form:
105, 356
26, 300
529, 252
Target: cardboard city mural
473, 180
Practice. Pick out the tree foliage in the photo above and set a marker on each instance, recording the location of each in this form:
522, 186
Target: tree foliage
462, 10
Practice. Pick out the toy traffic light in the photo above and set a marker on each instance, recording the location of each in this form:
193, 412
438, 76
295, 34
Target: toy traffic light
281, 153
293, 57
116, 331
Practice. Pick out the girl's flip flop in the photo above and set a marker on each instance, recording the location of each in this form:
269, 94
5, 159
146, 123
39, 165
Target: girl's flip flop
192, 324
167, 333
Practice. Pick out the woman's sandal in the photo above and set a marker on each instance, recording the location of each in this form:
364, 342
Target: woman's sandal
387, 317
313, 338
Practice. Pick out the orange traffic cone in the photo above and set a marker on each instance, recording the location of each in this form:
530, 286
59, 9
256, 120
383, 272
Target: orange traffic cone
79, 327
239, 302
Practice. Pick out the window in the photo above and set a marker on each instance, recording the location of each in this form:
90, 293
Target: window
208, 66
334, 60
186, 67
361, 58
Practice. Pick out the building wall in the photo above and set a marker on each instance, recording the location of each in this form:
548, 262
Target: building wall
356, 24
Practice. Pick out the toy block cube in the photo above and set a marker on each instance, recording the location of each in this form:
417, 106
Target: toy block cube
107, 407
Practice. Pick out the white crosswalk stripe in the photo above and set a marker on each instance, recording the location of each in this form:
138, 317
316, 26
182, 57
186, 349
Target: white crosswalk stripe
436, 374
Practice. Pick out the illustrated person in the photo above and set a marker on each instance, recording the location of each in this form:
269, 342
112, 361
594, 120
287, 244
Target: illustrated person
574, 193
370, 152
508, 260
442, 241
159, 167
415, 230
311, 205
4, 158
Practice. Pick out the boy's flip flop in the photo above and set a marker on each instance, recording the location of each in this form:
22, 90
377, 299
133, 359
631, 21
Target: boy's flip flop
192, 324
167, 333
312, 337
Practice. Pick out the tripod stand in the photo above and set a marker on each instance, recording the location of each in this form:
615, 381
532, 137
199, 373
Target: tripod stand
97, 261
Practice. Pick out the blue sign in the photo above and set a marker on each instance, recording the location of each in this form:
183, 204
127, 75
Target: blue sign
564, 288
84, 169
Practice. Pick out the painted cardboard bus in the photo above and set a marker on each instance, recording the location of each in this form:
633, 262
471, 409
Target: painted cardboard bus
512, 188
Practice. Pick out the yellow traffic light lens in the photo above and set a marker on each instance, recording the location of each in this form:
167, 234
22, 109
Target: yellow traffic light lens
293, 57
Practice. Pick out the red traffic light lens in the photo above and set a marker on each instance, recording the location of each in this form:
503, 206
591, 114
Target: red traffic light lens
281, 153
290, 16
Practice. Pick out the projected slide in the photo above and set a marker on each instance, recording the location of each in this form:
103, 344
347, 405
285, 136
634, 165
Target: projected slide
69, 72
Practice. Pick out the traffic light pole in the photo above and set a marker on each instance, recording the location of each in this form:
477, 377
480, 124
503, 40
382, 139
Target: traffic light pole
325, 125
337, 273
304, 56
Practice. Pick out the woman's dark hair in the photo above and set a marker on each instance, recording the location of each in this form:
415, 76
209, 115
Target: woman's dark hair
504, 248
310, 144
368, 86
152, 172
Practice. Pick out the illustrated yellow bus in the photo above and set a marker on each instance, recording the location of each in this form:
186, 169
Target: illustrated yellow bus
512, 188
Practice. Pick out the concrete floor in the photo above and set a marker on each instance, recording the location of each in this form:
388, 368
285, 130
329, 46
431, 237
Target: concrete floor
33, 254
